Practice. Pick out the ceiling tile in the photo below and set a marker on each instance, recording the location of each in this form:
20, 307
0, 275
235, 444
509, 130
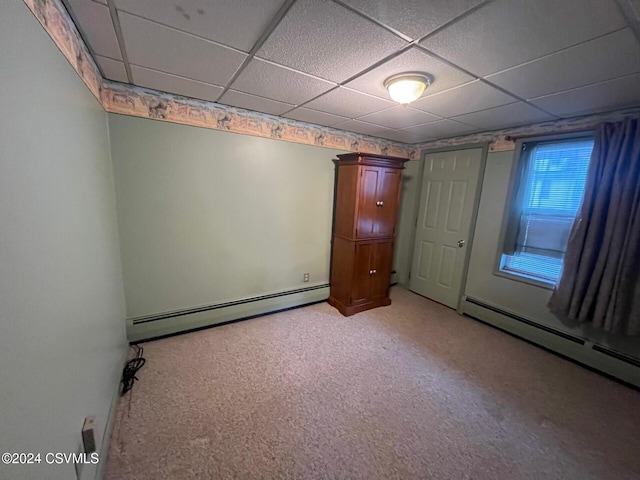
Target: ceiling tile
439, 129
325, 39
278, 83
348, 103
413, 18
162, 48
505, 33
112, 69
237, 24
252, 102
398, 117
363, 128
174, 84
601, 97
413, 60
95, 22
505, 116
314, 116
611, 56
467, 98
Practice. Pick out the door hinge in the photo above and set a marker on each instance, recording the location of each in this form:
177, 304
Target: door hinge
409, 276
416, 224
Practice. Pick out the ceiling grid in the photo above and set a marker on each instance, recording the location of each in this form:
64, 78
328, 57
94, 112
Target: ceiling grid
495, 64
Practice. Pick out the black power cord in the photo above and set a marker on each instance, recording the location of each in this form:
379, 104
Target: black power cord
130, 370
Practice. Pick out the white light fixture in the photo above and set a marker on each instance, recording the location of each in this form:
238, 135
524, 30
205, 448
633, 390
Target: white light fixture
407, 87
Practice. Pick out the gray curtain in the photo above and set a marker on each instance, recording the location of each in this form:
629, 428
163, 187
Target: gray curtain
600, 277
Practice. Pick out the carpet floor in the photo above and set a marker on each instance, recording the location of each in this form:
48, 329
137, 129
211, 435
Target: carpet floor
408, 391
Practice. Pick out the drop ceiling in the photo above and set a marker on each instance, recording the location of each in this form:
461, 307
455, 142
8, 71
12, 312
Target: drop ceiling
495, 64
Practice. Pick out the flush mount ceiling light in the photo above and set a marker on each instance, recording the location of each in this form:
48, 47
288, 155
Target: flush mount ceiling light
407, 87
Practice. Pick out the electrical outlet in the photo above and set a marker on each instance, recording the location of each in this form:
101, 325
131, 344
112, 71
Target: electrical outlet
89, 434
306, 277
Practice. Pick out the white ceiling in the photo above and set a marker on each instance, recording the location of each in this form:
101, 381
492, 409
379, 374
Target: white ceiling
495, 63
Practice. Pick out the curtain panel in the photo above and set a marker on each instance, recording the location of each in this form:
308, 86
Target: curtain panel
599, 282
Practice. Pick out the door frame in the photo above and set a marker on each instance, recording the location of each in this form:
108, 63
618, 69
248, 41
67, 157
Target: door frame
474, 213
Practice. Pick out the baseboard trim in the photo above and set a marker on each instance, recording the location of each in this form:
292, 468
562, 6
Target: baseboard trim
110, 421
169, 323
573, 348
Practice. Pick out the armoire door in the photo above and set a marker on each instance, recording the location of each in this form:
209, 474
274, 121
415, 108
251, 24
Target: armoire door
367, 208
444, 221
387, 202
361, 290
380, 266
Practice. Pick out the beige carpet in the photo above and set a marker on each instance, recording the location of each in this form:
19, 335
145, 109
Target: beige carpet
407, 391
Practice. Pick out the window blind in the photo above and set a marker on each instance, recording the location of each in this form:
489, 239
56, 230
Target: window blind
548, 197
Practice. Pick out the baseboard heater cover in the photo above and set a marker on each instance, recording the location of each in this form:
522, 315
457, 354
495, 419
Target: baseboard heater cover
179, 321
626, 369
531, 323
617, 355
216, 306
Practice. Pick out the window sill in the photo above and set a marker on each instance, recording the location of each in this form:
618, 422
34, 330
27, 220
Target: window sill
522, 278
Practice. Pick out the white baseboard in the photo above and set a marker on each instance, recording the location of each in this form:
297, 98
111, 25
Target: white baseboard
566, 345
144, 328
111, 416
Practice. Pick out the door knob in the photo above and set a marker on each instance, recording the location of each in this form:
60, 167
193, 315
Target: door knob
374, 271
461, 243
370, 272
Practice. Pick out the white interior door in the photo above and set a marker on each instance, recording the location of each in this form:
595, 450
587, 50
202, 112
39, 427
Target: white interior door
444, 220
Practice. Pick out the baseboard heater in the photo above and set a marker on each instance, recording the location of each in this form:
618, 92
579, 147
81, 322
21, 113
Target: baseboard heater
539, 326
622, 371
178, 321
617, 355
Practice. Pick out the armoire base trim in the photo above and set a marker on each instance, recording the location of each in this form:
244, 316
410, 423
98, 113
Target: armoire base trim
352, 310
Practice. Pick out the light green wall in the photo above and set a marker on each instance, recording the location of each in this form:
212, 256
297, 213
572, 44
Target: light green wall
513, 296
61, 292
207, 217
411, 181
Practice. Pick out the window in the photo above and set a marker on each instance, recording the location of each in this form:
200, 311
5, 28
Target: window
547, 196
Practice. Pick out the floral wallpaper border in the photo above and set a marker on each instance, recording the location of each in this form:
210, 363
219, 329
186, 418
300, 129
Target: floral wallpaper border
143, 102
502, 140
147, 103
55, 19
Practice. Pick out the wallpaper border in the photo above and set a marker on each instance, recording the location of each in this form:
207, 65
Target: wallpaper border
143, 102
148, 103
504, 139
55, 20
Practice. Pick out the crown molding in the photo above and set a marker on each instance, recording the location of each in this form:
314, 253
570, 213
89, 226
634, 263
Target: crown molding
148, 103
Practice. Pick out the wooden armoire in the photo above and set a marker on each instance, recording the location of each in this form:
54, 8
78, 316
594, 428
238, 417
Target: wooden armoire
367, 194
